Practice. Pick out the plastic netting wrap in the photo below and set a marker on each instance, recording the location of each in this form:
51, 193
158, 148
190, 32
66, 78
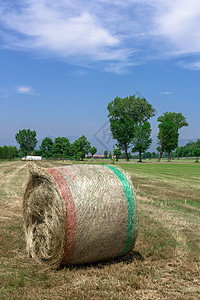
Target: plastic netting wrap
79, 214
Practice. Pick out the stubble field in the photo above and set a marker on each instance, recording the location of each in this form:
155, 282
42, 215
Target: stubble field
165, 263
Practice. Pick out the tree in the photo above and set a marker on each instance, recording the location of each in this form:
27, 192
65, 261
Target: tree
170, 123
93, 150
62, 146
47, 147
12, 152
124, 115
154, 155
171, 136
27, 140
141, 140
81, 147
178, 152
37, 152
8, 152
188, 149
196, 153
105, 153
148, 155
117, 153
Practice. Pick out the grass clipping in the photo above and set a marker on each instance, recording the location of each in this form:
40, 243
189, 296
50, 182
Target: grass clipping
78, 214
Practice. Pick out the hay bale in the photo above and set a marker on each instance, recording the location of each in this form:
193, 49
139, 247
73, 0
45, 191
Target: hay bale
79, 214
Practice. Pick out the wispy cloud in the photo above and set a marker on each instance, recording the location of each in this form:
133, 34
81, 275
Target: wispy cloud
119, 67
179, 23
24, 89
191, 65
164, 93
127, 32
60, 29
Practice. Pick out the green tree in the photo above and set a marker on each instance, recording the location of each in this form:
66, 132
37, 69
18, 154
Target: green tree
141, 140
124, 115
178, 152
47, 147
27, 140
148, 155
105, 153
196, 153
188, 149
170, 123
81, 147
154, 155
37, 152
5, 152
12, 152
8, 152
93, 150
167, 138
62, 146
117, 153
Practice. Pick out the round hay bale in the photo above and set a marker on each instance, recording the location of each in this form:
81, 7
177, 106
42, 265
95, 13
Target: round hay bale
79, 214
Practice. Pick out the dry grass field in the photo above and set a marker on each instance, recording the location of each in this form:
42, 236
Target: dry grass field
165, 263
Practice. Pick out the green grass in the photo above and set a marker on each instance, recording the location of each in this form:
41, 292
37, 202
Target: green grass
176, 170
165, 263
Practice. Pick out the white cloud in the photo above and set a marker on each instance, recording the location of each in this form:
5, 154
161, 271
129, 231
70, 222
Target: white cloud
60, 29
128, 32
119, 67
192, 66
24, 89
165, 93
179, 23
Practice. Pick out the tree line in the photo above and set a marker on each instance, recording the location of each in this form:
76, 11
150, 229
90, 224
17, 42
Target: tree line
59, 148
62, 148
9, 152
130, 127
189, 150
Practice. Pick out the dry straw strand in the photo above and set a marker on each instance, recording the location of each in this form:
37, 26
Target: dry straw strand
78, 214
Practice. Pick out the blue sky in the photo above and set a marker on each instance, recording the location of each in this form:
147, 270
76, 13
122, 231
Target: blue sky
63, 61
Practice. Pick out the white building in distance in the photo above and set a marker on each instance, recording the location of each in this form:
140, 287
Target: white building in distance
32, 157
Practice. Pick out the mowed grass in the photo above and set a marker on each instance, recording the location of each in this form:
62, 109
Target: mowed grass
165, 263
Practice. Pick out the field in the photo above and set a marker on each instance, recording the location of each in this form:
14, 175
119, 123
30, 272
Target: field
165, 263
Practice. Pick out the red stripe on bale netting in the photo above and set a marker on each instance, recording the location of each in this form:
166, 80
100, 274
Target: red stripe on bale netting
71, 222
67, 172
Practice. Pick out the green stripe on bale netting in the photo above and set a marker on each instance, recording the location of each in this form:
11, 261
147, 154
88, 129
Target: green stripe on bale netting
132, 210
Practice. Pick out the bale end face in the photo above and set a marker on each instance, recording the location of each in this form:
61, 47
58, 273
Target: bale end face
44, 218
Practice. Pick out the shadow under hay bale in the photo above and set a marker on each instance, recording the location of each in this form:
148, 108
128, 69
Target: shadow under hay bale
79, 214
126, 260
